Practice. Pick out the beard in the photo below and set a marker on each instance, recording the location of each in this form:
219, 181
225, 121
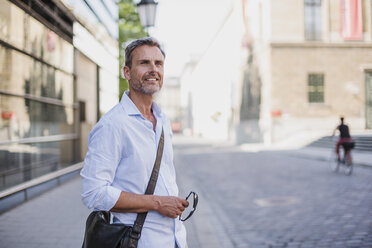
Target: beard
147, 89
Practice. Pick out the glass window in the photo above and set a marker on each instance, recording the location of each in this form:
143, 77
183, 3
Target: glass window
80, 7
64, 56
20, 74
23, 162
35, 37
113, 7
64, 87
37, 113
95, 12
316, 88
25, 118
48, 46
104, 16
5, 68
26, 33
11, 24
313, 20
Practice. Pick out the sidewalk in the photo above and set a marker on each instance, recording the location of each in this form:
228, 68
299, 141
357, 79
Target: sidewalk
53, 219
57, 217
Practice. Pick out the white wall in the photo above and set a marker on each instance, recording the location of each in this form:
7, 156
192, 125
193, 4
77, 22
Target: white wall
213, 79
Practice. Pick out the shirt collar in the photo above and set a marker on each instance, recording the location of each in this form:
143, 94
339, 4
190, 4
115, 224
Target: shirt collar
156, 109
132, 109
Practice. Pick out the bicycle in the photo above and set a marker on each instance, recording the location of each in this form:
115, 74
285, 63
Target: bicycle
345, 161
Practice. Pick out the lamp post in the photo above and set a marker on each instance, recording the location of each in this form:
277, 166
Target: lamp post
147, 12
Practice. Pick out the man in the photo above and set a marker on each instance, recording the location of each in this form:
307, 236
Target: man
344, 136
122, 150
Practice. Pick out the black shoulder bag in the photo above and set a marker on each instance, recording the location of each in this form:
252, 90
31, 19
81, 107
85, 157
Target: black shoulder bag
99, 233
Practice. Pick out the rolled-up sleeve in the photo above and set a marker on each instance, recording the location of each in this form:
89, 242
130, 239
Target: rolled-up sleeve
100, 164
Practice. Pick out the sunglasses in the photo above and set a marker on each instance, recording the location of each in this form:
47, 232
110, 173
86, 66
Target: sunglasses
195, 203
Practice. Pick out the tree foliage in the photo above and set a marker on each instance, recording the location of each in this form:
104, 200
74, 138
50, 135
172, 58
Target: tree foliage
129, 29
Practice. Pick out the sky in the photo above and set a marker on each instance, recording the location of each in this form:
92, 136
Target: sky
185, 28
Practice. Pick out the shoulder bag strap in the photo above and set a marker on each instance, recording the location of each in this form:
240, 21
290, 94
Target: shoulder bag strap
138, 224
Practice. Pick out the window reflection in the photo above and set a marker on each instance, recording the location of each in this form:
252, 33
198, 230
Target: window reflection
21, 74
26, 33
11, 24
23, 162
36, 99
25, 118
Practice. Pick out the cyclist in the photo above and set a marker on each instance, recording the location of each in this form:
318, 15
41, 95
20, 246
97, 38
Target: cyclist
344, 137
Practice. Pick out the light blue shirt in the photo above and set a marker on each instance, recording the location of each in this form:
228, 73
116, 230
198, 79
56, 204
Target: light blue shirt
121, 154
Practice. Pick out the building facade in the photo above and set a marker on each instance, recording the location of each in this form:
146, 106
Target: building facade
96, 60
52, 89
309, 63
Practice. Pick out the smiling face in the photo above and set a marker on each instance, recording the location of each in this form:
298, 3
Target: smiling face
145, 75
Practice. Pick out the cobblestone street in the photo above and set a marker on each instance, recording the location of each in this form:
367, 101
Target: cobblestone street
246, 199
273, 199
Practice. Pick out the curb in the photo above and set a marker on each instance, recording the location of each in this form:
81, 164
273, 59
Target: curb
21, 193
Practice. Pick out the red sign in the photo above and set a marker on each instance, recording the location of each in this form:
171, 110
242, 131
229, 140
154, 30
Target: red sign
276, 113
7, 115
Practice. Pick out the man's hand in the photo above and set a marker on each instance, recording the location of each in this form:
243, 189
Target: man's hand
171, 206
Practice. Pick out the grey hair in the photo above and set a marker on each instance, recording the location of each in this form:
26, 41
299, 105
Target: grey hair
148, 41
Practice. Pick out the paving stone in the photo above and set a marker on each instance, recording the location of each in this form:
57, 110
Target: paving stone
327, 212
47, 220
305, 204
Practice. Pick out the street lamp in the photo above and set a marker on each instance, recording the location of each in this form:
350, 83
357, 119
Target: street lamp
147, 11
